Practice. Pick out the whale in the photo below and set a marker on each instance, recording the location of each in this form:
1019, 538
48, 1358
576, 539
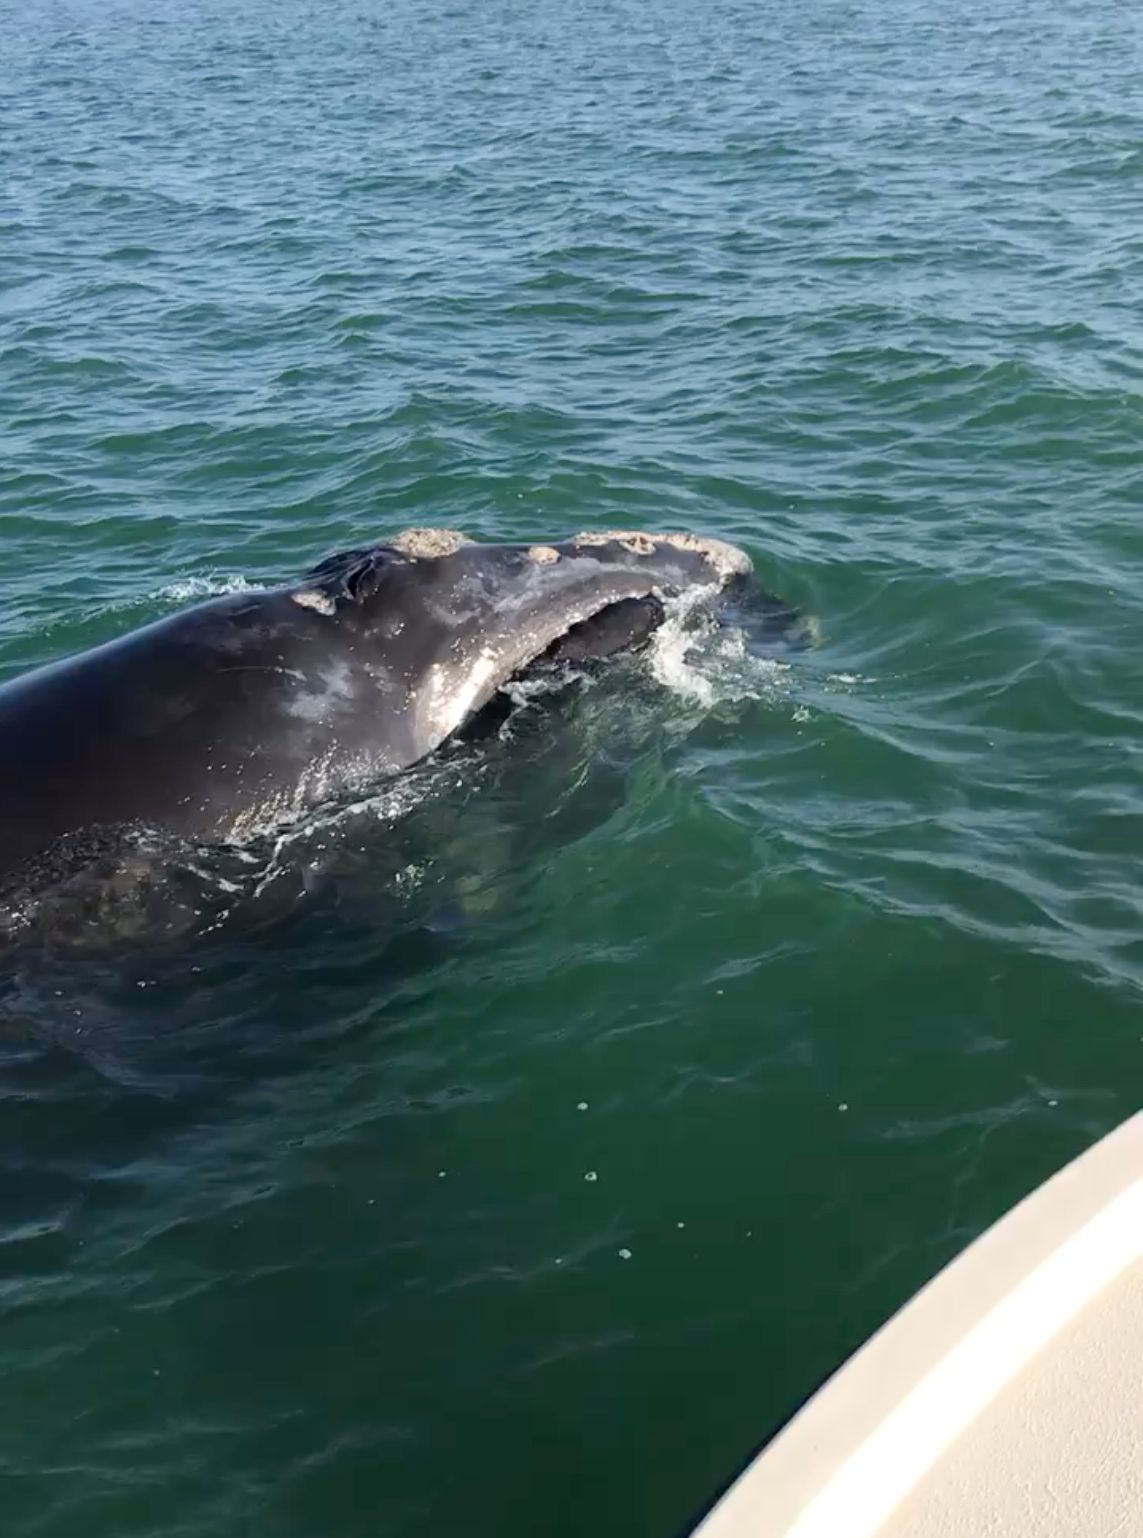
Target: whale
236, 714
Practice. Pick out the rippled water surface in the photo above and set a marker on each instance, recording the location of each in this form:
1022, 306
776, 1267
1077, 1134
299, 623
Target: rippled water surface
621, 1079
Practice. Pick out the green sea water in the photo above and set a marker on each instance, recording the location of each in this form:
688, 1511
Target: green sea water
523, 1181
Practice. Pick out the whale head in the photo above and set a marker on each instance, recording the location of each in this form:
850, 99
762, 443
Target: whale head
454, 619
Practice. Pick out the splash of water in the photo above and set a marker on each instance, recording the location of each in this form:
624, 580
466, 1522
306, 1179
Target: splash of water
709, 663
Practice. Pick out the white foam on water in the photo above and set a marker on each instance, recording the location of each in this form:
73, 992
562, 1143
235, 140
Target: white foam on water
311, 829
708, 663
529, 694
410, 876
211, 585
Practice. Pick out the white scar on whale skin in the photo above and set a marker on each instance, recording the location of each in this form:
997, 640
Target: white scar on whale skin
325, 690
449, 699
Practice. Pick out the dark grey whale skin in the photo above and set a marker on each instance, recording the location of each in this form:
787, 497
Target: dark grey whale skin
241, 711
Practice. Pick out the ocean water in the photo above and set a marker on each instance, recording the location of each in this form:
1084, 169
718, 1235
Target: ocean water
618, 1078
